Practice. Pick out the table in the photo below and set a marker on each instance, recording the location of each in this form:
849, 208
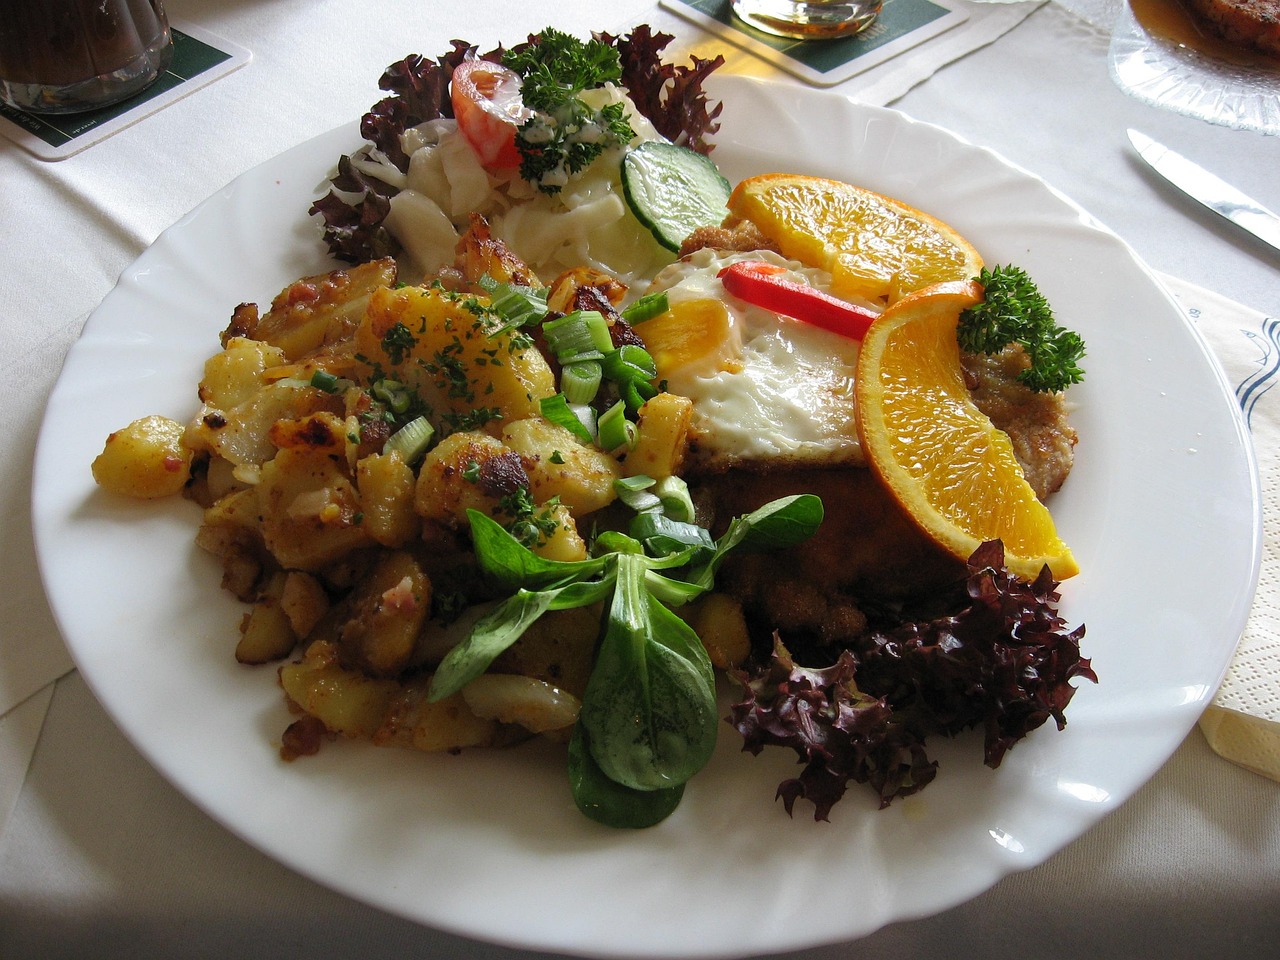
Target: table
103, 858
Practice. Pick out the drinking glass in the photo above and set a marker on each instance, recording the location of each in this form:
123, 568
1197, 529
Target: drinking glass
65, 56
808, 19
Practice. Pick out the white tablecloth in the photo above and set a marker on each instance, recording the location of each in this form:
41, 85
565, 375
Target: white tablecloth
102, 858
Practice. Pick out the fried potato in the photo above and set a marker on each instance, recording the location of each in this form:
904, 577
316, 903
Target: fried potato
452, 359
662, 436
380, 618
449, 481
560, 466
387, 486
266, 633
145, 460
386, 712
310, 509
321, 310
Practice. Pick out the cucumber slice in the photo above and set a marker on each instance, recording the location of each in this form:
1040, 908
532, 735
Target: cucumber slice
673, 190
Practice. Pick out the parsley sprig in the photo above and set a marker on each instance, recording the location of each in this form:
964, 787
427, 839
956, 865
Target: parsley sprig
565, 133
1015, 311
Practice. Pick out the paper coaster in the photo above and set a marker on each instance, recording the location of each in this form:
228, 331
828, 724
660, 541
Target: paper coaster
902, 24
199, 58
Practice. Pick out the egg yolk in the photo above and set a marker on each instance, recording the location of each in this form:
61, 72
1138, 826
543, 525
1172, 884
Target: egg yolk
698, 331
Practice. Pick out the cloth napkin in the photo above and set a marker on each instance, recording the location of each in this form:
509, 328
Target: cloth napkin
1242, 723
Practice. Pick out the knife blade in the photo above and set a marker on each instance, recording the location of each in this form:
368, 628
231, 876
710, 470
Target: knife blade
1216, 194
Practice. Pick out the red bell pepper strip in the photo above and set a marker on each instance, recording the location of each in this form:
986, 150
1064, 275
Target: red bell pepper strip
763, 285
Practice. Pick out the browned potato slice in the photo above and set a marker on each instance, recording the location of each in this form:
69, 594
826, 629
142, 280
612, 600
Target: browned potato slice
559, 465
242, 434
232, 532
448, 724
266, 633
321, 310
383, 615
455, 478
563, 295
303, 601
345, 701
449, 356
387, 487
310, 510
234, 375
480, 254
662, 436
564, 542
146, 460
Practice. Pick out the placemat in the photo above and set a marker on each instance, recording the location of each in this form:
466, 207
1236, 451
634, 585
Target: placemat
199, 58
901, 25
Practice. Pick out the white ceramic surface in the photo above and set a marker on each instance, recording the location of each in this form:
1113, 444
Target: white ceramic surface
1161, 511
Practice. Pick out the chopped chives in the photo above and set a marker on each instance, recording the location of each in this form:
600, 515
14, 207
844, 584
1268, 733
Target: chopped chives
580, 381
556, 409
581, 335
613, 429
676, 501
646, 308
411, 441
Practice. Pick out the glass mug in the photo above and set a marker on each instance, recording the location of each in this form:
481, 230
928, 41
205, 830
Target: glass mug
65, 56
808, 19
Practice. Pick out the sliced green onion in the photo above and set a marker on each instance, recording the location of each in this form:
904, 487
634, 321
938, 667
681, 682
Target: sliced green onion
556, 410
646, 308
581, 381
637, 392
614, 430
665, 536
411, 441
328, 382
636, 493
629, 362
516, 304
586, 415
581, 335
676, 502
393, 393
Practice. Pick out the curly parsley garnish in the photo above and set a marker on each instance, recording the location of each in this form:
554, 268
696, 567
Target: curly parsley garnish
566, 133
1014, 311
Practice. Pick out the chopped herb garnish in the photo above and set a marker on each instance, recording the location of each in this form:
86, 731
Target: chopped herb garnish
565, 134
1015, 311
397, 342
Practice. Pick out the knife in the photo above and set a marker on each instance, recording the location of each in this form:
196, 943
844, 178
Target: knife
1201, 185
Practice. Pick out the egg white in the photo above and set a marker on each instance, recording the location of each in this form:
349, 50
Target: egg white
776, 391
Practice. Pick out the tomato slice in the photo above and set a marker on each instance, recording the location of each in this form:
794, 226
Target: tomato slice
488, 108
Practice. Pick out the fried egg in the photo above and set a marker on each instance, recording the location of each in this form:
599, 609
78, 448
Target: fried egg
767, 389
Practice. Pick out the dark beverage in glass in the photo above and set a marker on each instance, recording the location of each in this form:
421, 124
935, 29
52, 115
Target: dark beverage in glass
65, 56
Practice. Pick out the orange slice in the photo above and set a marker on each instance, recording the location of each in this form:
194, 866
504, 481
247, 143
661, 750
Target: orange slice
935, 451
874, 246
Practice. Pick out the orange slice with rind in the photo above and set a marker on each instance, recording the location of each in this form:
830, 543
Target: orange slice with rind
875, 247
938, 455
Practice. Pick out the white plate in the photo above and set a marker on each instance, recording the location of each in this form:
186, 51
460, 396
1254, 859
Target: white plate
1161, 510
